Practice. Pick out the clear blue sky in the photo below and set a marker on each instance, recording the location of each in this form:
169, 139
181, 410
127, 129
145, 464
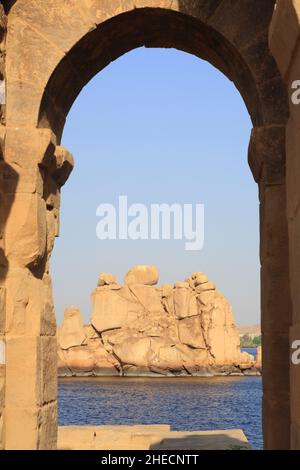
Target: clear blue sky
159, 126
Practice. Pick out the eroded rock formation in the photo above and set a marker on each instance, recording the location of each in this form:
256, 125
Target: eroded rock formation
137, 329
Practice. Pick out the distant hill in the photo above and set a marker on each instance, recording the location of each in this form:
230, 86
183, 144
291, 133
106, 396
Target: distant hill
250, 330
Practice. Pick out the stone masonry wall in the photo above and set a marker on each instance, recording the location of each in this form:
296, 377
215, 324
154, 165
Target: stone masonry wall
2, 261
53, 48
284, 41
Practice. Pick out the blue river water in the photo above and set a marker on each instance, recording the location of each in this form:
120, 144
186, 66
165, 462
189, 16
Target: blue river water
185, 403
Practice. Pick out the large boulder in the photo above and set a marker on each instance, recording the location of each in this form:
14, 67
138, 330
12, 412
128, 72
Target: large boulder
106, 279
191, 333
148, 297
147, 275
138, 329
185, 301
222, 335
246, 360
199, 278
113, 309
169, 358
80, 358
71, 332
134, 351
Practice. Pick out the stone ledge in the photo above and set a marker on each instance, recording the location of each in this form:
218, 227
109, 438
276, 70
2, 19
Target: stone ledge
154, 437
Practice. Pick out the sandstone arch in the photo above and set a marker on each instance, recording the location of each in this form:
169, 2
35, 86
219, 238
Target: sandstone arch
53, 48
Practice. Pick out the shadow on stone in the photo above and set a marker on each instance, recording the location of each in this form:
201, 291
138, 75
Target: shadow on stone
212, 440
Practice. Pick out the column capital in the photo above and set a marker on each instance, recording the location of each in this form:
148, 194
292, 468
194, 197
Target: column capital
267, 154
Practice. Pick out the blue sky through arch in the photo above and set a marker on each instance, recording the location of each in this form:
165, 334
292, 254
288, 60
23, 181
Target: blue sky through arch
159, 125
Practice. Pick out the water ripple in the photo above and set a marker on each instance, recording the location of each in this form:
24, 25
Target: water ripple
183, 403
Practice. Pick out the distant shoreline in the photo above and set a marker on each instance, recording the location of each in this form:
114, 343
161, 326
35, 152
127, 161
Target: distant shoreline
251, 330
205, 372
139, 378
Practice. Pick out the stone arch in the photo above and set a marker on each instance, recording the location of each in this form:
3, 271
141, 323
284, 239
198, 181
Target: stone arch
156, 27
54, 48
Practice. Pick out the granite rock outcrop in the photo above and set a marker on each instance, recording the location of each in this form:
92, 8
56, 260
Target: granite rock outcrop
138, 328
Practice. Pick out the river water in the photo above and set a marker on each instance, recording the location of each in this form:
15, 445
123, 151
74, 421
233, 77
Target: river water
185, 403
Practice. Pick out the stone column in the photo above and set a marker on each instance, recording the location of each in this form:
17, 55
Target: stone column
34, 171
2, 303
284, 41
3, 269
2, 262
267, 161
293, 206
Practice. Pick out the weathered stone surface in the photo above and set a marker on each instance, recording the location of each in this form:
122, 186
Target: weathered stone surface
246, 361
133, 352
2, 398
190, 332
110, 308
147, 275
206, 286
199, 278
51, 18
47, 347
149, 298
25, 232
28, 371
64, 164
285, 46
71, 333
3, 21
106, 279
185, 302
52, 50
3, 24
292, 167
138, 329
90, 358
284, 32
25, 296
258, 362
266, 154
26, 436
79, 358
38, 430
2, 310
146, 437
295, 373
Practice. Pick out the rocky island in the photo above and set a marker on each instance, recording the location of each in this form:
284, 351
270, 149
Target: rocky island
140, 329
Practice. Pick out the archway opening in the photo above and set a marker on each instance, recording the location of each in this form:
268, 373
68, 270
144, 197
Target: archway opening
149, 27
145, 127
226, 46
